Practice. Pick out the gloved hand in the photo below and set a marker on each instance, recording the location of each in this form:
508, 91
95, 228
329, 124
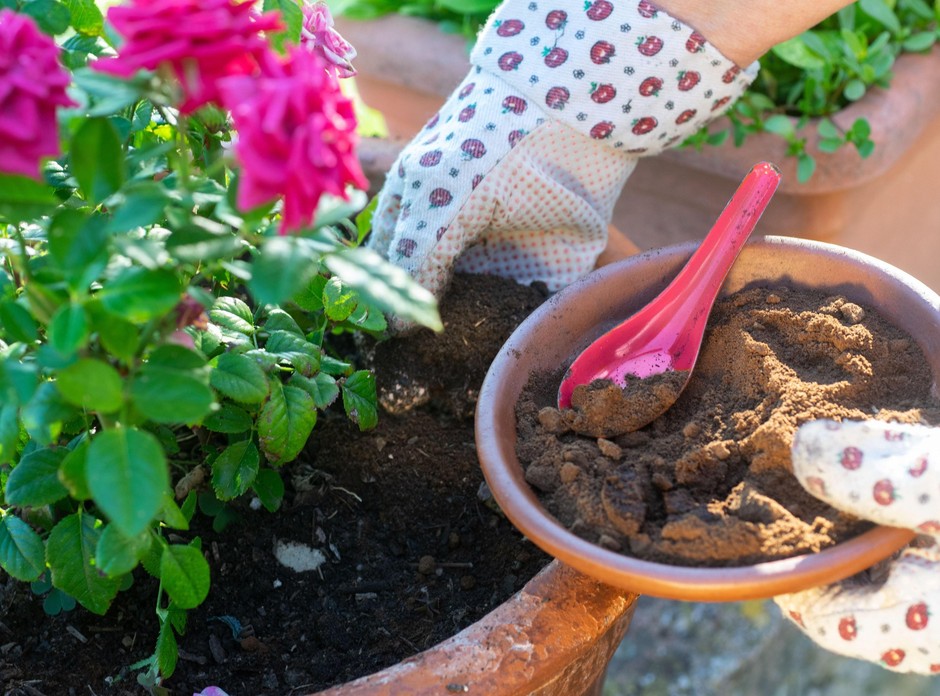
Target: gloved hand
518, 174
890, 474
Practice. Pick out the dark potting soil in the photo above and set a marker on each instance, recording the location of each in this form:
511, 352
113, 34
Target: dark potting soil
409, 552
710, 482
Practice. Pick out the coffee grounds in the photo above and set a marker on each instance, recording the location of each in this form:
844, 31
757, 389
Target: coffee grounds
710, 482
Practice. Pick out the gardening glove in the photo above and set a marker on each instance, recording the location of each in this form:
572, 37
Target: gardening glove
887, 473
518, 174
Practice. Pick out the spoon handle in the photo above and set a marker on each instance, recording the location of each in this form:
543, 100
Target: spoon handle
701, 278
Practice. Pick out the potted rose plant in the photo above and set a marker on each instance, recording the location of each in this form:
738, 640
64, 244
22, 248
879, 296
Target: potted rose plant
177, 262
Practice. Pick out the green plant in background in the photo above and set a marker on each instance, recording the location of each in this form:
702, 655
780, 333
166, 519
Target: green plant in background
456, 16
823, 70
802, 81
169, 307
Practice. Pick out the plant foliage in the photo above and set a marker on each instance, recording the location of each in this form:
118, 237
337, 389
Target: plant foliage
151, 331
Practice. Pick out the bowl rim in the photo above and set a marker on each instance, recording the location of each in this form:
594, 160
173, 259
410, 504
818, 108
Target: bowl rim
518, 501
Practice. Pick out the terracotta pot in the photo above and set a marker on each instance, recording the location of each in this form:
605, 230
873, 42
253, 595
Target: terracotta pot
884, 206
555, 637
562, 327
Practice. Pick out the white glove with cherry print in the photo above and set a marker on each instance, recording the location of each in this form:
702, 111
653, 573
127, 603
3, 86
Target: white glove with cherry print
888, 473
518, 174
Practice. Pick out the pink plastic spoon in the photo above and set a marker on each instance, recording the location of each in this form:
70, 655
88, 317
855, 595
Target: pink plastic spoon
667, 333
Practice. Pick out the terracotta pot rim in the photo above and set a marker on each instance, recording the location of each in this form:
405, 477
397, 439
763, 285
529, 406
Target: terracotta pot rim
506, 480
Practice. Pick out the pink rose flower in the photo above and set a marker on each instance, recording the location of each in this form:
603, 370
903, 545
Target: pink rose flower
318, 34
296, 135
32, 87
198, 41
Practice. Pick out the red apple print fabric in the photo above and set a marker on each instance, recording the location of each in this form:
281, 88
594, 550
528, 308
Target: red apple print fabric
518, 174
887, 473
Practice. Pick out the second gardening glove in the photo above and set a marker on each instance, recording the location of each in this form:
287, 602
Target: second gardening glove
890, 474
518, 174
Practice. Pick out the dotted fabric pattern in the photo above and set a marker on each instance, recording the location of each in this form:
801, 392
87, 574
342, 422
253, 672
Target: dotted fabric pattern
888, 473
507, 180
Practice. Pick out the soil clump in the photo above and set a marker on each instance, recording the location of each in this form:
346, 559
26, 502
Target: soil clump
408, 551
710, 483
604, 409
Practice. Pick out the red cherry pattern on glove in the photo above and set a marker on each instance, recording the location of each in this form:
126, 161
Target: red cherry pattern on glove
860, 467
557, 94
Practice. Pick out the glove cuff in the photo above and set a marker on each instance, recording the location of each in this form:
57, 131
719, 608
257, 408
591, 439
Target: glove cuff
624, 73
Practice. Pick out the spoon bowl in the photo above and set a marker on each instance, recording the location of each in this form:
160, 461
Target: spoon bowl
667, 333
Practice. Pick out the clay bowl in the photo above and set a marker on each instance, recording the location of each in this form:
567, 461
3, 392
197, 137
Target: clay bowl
572, 318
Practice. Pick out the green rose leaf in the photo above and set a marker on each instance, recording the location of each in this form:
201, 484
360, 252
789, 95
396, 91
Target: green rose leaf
18, 323
22, 198
141, 206
127, 477
151, 560
171, 514
294, 349
283, 266
239, 378
321, 387
184, 573
293, 21
44, 414
35, 480
139, 294
339, 300
22, 553
285, 422
269, 486
167, 651
93, 385
86, 17
279, 320
228, 419
359, 399
365, 319
9, 432
117, 554
70, 553
73, 472
68, 330
51, 16
234, 471
111, 94
385, 286
97, 159
117, 335
164, 394
233, 314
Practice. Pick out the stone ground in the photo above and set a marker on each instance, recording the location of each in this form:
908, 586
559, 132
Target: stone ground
700, 649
